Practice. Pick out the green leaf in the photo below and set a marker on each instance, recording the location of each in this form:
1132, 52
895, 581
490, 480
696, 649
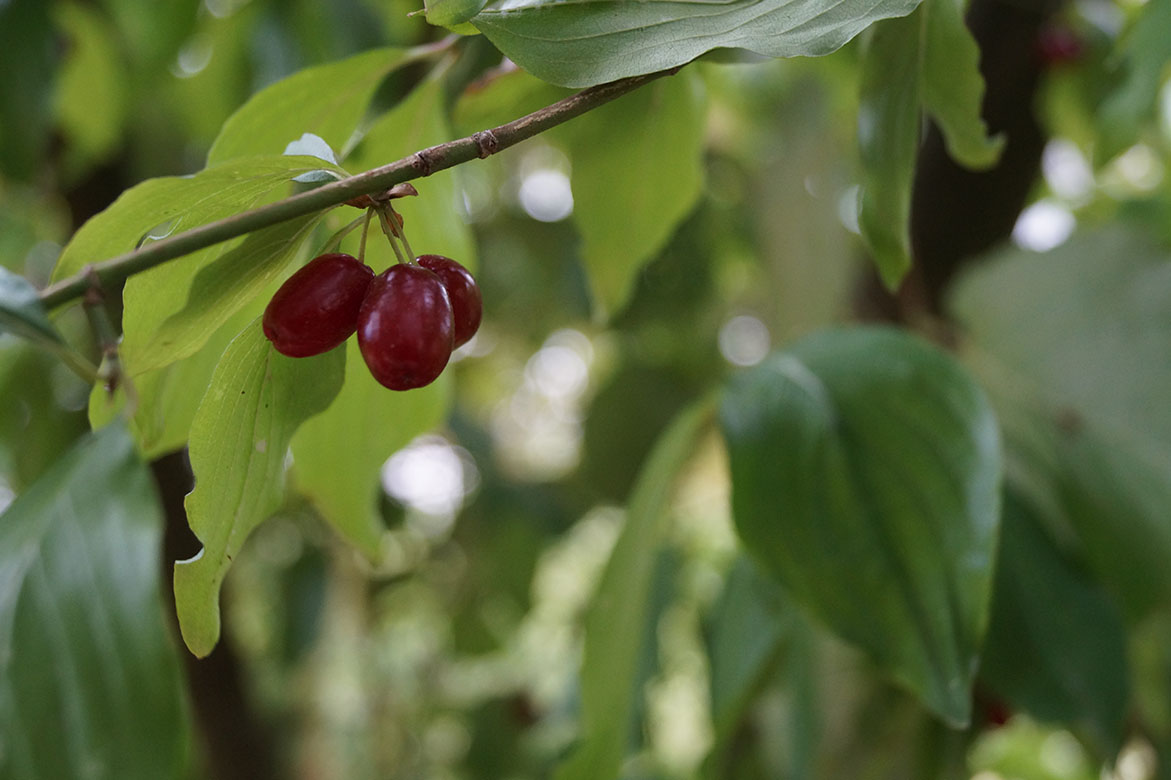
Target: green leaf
1116, 488
594, 41
620, 610
865, 462
1144, 54
1056, 645
152, 32
452, 13
311, 145
638, 170
745, 635
34, 428
89, 680
927, 58
172, 204
92, 90
763, 653
338, 455
328, 101
239, 440
953, 89
28, 63
167, 398
217, 286
26, 219
1072, 345
431, 221
21, 312
888, 140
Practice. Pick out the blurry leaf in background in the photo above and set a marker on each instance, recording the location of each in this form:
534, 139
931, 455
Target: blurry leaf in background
595, 41
816, 708
37, 418
239, 442
626, 416
620, 612
793, 196
92, 88
1150, 661
152, 32
638, 170
453, 14
865, 477
745, 635
213, 75
28, 62
1072, 345
888, 141
328, 101
1023, 748
21, 312
338, 455
1145, 53
1117, 490
953, 89
1056, 644
927, 58
89, 679
32, 228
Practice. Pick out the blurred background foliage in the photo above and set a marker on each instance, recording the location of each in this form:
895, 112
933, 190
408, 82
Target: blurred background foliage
458, 656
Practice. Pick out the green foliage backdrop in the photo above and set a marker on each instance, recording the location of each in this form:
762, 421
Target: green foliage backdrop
817, 426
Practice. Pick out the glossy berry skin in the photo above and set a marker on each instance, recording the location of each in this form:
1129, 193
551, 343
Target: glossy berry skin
405, 327
316, 308
466, 303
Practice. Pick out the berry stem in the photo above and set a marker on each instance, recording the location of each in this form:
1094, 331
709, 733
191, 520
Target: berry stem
399, 229
390, 235
365, 232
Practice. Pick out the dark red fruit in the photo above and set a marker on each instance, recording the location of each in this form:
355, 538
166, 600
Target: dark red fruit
466, 303
405, 327
317, 308
1059, 45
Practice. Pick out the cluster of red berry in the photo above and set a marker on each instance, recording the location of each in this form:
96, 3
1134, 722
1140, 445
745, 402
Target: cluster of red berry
408, 318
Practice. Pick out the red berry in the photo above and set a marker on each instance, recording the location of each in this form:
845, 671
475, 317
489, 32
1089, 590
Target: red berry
317, 307
1059, 45
466, 303
996, 713
405, 327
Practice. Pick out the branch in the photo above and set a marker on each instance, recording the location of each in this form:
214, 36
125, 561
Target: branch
422, 163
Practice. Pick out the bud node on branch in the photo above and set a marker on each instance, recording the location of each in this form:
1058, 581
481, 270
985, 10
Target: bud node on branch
486, 142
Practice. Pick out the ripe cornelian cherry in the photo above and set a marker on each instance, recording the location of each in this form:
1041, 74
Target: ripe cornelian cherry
317, 307
466, 303
405, 327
